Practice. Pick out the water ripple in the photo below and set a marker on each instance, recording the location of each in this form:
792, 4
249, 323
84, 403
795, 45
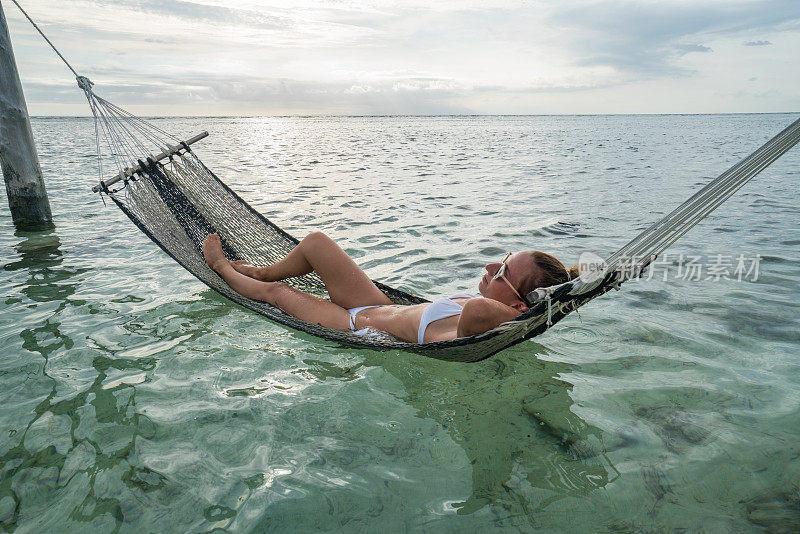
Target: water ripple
132, 397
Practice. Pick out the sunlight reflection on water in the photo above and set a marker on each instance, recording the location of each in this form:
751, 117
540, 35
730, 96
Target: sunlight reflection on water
133, 397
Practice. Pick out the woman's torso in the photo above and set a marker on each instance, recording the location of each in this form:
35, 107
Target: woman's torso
403, 322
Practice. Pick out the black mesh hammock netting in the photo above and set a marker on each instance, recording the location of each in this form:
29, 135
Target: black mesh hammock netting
164, 188
176, 201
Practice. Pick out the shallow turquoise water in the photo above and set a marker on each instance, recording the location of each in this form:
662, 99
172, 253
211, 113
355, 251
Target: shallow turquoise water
132, 398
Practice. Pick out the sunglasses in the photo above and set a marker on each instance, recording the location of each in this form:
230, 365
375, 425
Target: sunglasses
501, 274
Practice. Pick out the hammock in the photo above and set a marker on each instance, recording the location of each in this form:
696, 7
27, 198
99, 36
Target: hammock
164, 188
176, 201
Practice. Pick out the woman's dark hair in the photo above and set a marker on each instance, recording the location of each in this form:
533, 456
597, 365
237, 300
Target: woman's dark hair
549, 272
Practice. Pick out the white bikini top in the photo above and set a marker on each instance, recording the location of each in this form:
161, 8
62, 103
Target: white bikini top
439, 309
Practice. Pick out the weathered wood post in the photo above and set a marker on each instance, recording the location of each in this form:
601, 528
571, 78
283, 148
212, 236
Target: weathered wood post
27, 196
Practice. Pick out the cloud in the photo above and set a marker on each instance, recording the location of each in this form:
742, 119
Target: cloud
177, 95
198, 12
686, 48
383, 56
640, 38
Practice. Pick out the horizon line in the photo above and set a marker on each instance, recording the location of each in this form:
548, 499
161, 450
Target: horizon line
423, 115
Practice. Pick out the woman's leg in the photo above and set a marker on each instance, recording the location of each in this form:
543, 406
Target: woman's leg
347, 285
292, 301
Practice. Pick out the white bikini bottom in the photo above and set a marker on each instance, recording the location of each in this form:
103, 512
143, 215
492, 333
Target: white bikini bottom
355, 311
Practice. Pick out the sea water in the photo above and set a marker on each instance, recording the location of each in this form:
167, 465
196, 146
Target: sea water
133, 399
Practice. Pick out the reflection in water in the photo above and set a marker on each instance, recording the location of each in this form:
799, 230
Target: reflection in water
47, 281
39, 254
511, 416
46, 462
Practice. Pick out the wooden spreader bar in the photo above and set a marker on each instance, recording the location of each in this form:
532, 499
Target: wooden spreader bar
130, 171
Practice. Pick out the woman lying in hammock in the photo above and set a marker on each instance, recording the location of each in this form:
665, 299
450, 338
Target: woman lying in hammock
356, 304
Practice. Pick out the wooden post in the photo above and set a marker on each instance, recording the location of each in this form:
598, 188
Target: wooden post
27, 196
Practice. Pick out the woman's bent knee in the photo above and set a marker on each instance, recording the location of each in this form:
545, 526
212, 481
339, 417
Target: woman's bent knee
317, 236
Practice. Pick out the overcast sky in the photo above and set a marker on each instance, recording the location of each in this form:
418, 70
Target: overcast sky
268, 57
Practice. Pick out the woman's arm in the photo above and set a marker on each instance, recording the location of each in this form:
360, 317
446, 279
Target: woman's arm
482, 314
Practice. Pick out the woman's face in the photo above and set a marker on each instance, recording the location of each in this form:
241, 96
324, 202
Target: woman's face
518, 267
